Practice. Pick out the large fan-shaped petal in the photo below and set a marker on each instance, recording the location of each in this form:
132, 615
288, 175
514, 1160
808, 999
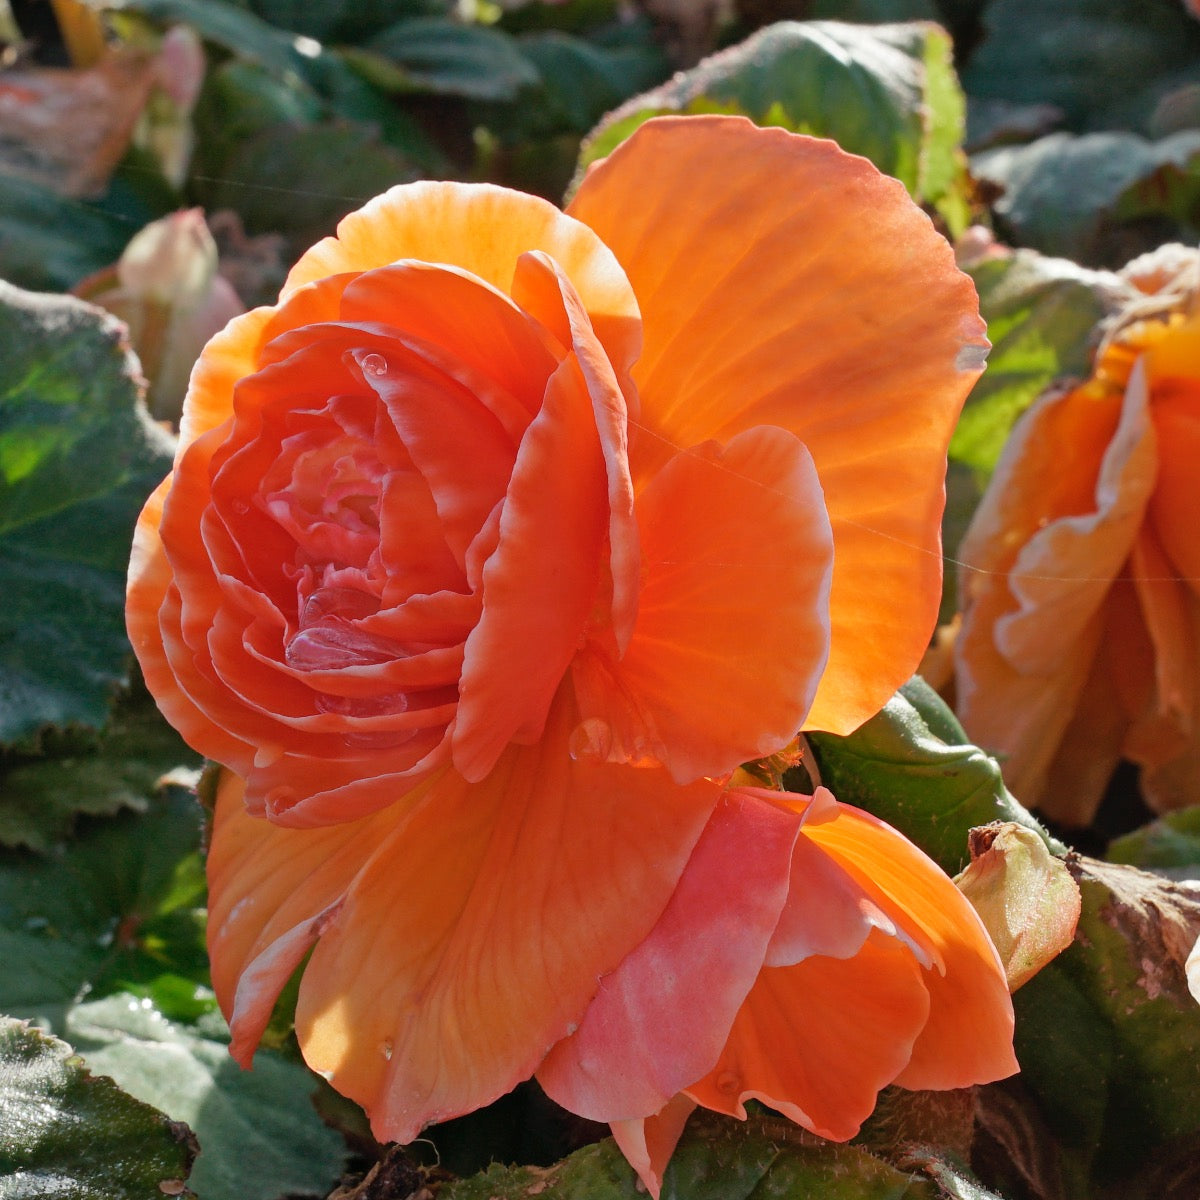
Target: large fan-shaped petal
784, 282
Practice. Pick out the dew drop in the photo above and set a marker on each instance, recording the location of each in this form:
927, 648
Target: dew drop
386, 1049
591, 741
241, 507
374, 364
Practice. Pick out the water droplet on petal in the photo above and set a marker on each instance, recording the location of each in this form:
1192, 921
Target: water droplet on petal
374, 364
591, 740
386, 1049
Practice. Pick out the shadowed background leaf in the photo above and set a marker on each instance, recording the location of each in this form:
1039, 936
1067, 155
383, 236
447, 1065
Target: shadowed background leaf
78, 455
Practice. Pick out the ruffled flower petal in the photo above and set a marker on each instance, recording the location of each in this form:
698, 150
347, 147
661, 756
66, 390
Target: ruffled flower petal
660, 1019
426, 995
782, 293
1042, 553
737, 556
968, 1036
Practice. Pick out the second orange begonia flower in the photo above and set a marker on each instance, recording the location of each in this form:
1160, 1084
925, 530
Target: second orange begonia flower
490, 553
1080, 641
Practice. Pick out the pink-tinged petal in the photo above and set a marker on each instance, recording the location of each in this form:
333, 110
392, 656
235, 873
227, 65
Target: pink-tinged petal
270, 892
439, 984
968, 1037
818, 1041
649, 1143
540, 585
798, 287
732, 630
483, 229
660, 1020
828, 912
1042, 553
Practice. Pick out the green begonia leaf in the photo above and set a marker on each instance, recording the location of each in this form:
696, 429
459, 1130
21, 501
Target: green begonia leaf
67, 1135
1100, 61
229, 26
1101, 198
50, 242
40, 796
1108, 1038
1043, 317
342, 20
260, 1137
1172, 843
303, 179
579, 82
717, 1159
78, 456
912, 765
431, 54
887, 92
120, 906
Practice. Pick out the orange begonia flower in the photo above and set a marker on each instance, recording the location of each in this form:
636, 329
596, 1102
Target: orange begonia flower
490, 553
1080, 641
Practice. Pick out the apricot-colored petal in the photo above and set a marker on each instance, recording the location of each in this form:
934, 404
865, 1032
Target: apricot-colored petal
732, 626
1049, 538
483, 229
968, 1037
818, 1040
1089, 727
660, 1019
648, 1143
482, 333
439, 983
150, 584
1168, 606
269, 889
229, 356
798, 287
1175, 411
548, 293
539, 585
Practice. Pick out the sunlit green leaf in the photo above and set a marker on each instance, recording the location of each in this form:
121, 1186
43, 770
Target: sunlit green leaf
912, 765
67, 1135
78, 456
1043, 317
119, 906
260, 1137
887, 92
